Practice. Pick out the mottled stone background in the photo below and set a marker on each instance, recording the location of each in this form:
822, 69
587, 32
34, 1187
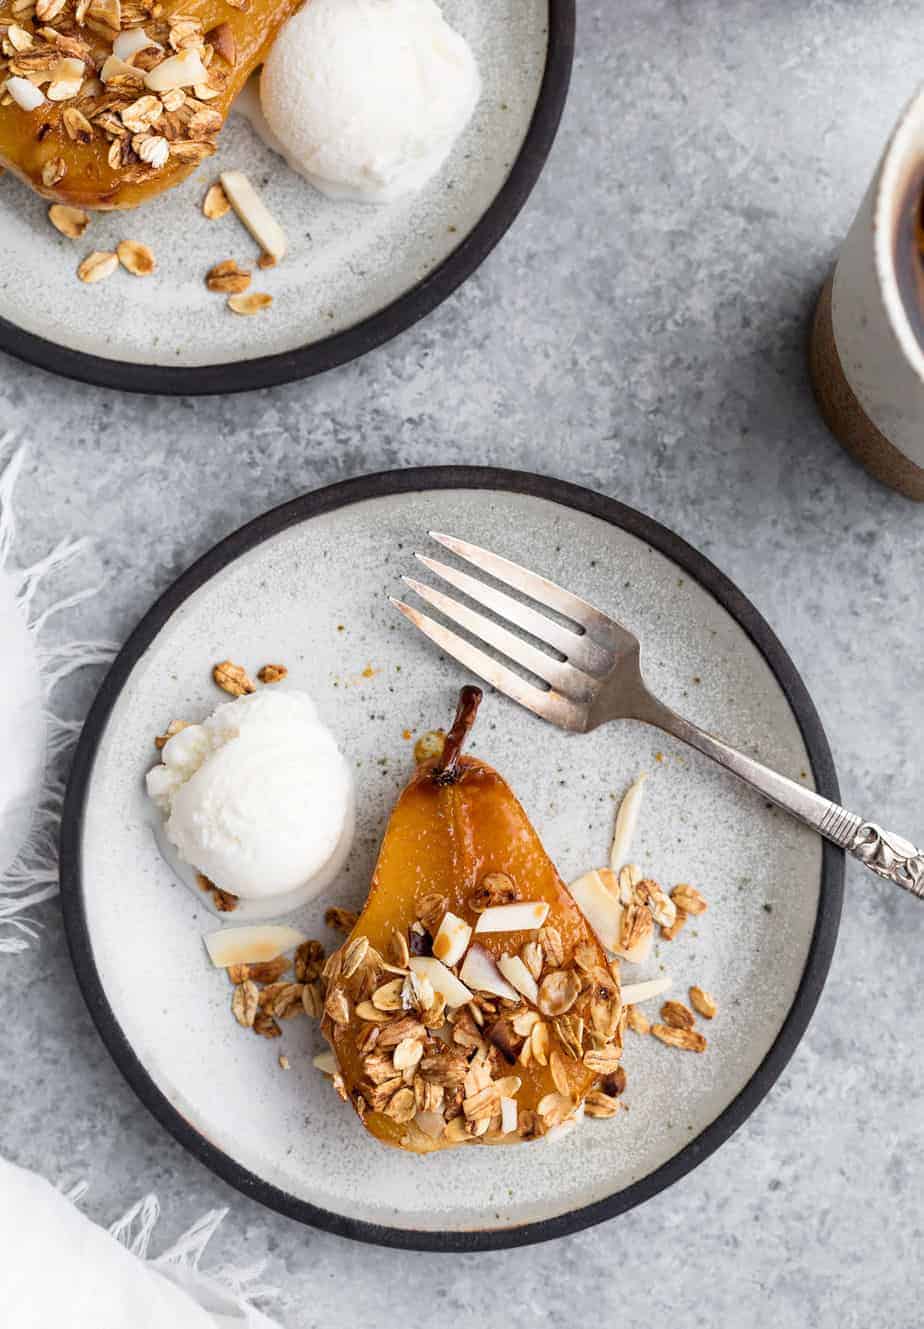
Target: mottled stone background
640, 330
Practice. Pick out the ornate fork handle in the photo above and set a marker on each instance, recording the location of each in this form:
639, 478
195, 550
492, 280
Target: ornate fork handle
884, 853
889, 856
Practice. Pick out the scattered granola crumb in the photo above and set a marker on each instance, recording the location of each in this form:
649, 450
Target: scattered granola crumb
341, 920
283, 1062
429, 745
249, 304
70, 221
687, 1039
272, 673
173, 727
688, 899
668, 934
233, 678
266, 1026
704, 1002
215, 204
226, 276
97, 266
136, 258
266, 261
245, 1003
638, 1021
224, 901
677, 1015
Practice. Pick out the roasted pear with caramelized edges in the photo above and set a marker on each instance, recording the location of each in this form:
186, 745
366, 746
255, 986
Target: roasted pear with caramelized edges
471, 1003
106, 103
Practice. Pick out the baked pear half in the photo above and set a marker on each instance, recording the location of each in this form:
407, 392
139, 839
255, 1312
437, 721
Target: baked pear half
471, 1003
107, 103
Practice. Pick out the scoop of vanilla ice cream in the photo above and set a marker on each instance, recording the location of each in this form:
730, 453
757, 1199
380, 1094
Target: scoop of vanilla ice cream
257, 796
366, 97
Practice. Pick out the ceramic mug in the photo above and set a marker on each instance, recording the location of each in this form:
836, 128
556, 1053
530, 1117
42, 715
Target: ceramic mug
867, 345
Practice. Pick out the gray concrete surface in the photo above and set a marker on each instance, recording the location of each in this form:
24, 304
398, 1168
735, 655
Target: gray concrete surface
641, 330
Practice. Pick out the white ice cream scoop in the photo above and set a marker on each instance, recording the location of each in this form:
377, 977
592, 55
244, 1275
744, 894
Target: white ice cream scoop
259, 798
366, 98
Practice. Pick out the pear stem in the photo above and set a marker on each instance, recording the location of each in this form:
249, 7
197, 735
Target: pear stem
448, 771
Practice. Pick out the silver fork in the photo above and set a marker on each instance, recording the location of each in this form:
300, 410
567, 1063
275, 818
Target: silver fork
600, 679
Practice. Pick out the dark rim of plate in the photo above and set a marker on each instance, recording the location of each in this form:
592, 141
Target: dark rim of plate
288, 366
300, 510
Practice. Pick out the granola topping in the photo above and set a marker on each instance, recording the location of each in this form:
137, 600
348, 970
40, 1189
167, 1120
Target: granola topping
232, 678
703, 1002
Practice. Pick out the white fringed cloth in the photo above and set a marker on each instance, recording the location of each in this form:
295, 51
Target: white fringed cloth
56, 1267
60, 1271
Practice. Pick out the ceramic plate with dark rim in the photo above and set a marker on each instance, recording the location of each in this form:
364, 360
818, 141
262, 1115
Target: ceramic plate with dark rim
306, 584
355, 275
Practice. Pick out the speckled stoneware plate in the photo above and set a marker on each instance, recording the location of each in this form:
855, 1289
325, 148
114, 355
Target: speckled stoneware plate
307, 585
355, 275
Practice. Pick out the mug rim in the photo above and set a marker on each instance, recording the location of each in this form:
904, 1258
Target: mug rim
888, 200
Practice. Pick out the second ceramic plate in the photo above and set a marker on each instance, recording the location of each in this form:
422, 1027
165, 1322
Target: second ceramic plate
354, 276
307, 585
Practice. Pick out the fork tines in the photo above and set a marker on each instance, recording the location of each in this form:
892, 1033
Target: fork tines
587, 651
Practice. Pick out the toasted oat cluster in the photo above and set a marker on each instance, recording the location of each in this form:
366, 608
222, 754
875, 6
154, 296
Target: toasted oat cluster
122, 70
431, 1048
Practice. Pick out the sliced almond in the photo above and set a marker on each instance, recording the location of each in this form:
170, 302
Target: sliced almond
136, 258
633, 993
250, 945
481, 974
599, 906
508, 1108
523, 917
626, 822
249, 304
452, 938
443, 980
221, 39
326, 1062
131, 41
182, 70
516, 972
24, 93
114, 68
70, 221
254, 213
97, 266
